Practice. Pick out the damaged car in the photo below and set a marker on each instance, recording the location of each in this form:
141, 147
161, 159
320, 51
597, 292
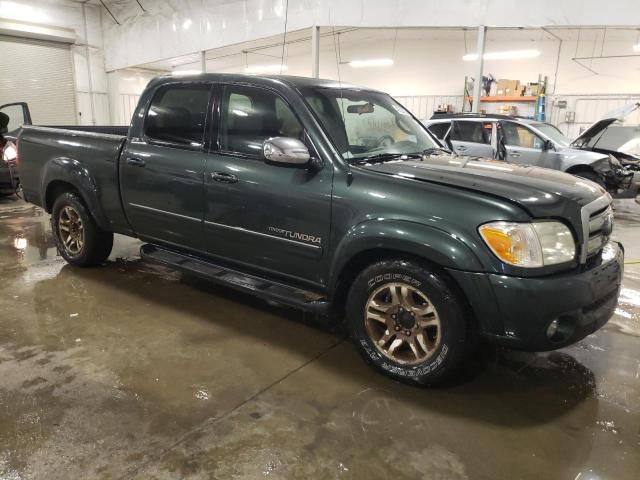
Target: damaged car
621, 143
530, 142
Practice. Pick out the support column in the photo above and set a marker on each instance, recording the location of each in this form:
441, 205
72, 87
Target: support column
315, 51
477, 84
203, 62
92, 101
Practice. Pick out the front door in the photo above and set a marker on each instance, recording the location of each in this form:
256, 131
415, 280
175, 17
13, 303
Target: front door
272, 217
162, 172
472, 137
523, 146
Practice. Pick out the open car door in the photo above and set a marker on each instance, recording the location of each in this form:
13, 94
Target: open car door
18, 114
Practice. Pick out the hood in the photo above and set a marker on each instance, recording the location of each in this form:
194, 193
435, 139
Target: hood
540, 190
597, 128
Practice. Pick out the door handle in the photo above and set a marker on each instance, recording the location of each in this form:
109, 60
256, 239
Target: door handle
223, 177
462, 148
135, 162
515, 154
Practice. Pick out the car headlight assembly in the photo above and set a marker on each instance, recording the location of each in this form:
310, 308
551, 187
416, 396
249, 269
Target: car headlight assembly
9, 152
529, 245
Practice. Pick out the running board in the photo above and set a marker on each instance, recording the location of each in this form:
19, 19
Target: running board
258, 286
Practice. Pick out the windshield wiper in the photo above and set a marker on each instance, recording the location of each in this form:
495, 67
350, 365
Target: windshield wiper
431, 150
384, 157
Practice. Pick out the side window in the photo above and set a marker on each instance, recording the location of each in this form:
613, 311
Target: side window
252, 115
519, 136
439, 129
476, 132
177, 114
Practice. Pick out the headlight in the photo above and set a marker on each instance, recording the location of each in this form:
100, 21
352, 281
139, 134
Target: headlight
9, 153
614, 162
529, 245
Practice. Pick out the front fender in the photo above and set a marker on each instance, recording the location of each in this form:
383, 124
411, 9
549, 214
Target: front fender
71, 171
431, 243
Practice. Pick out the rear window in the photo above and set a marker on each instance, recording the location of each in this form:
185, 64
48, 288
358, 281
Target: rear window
177, 115
439, 129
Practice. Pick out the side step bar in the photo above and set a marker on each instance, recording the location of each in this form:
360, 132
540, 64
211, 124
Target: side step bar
260, 287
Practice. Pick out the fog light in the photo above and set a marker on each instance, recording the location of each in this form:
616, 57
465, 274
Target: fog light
552, 329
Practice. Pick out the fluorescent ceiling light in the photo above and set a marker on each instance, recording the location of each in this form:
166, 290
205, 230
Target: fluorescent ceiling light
186, 72
376, 62
275, 68
506, 55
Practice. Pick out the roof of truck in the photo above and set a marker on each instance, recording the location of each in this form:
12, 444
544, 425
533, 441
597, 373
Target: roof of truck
292, 80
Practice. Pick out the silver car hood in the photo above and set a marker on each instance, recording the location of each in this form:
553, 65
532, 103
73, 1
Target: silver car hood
598, 127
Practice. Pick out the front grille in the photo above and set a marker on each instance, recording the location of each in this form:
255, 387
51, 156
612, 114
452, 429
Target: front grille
597, 224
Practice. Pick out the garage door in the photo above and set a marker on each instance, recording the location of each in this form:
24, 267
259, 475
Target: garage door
40, 74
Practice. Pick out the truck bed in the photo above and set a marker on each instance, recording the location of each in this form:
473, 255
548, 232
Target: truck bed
84, 156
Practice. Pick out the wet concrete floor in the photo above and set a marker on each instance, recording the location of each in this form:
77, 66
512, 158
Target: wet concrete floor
131, 371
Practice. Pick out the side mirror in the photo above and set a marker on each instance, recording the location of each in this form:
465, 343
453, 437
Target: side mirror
286, 151
548, 145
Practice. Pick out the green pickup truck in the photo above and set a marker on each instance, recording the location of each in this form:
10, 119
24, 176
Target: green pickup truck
336, 200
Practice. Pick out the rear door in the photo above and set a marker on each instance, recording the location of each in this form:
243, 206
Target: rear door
162, 172
268, 216
523, 145
472, 137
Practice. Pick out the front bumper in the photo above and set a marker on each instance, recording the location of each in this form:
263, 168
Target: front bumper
516, 311
629, 189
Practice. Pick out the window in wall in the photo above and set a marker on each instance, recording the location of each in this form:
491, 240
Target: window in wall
519, 136
177, 114
252, 115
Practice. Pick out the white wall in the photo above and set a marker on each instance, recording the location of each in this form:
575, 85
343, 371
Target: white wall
169, 29
430, 66
68, 15
125, 87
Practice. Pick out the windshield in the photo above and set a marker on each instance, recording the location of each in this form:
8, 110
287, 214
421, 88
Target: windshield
364, 124
553, 133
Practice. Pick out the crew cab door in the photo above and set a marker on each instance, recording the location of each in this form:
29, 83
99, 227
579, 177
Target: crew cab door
162, 171
472, 137
523, 146
267, 216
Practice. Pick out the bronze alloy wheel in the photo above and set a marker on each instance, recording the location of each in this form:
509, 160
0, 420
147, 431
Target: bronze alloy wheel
403, 323
71, 230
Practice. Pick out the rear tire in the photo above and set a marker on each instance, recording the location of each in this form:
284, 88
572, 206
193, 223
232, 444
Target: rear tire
79, 239
408, 322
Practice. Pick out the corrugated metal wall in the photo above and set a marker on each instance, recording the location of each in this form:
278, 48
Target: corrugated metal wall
39, 73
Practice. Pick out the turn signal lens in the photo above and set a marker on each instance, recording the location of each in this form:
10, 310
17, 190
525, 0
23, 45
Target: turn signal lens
529, 244
513, 243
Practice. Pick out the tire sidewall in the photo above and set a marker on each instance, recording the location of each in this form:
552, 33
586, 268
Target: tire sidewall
453, 328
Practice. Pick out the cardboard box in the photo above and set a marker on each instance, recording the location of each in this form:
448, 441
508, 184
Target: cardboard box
533, 89
508, 88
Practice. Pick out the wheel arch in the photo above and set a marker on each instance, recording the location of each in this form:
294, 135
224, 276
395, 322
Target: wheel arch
359, 250
63, 175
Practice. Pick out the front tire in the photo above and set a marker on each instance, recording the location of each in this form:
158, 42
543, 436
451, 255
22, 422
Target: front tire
79, 239
408, 322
